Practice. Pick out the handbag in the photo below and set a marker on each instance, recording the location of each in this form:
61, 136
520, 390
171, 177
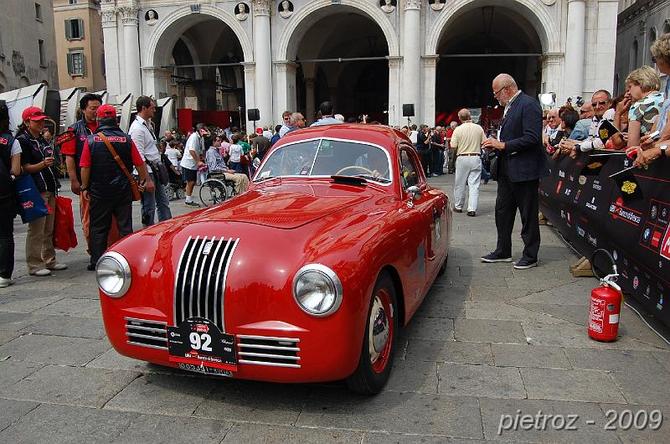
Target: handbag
31, 203
134, 189
161, 172
65, 237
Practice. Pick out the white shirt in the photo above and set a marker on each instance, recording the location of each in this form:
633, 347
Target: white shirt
283, 130
173, 155
16, 148
413, 135
145, 140
194, 143
235, 152
594, 141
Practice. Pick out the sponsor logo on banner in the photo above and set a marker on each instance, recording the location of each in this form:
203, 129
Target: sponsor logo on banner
656, 239
559, 186
561, 174
580, 231
582, 180
597, 186
579, 193
592, 240
620, 212
665, 245
654, 211
591, 205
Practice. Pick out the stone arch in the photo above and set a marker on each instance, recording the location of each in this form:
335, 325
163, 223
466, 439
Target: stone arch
537, 15
289, 41
161, 42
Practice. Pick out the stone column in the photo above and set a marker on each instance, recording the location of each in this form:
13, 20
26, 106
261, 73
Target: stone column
285, 89
310, 99
263, 59
249, 92
552, 75
574, 50
606, 44
429, 84
131, 51
411, 51
111, 42
394, 105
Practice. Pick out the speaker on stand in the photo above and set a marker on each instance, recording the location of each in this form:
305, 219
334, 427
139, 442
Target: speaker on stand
254, 114
408, 111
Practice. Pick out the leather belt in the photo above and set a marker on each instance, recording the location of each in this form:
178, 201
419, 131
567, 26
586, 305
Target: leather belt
468, 154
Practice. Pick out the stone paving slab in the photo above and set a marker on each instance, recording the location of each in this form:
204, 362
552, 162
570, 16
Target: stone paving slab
571, 385
6, 336
12, 411
83, 308
28, 302
171, 395
517, 355
395, 412
148, 429
397, 438
491, 331
54, 349
70, 386
456, 352
66, 424
251, 401
73, 327
12, 372
618, 418
480, 380
258, 433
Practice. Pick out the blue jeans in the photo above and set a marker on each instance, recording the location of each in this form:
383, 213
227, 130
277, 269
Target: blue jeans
157, 200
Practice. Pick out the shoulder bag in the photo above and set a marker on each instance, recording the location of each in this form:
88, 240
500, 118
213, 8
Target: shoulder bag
135, 190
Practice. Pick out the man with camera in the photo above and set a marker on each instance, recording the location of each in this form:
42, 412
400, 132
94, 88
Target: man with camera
154, 197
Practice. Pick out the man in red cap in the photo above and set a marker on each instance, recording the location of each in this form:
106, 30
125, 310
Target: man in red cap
105, 183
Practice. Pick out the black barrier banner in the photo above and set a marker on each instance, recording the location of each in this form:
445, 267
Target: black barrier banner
628, 215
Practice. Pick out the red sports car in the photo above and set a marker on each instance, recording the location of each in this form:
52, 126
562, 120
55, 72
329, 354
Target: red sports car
305, 277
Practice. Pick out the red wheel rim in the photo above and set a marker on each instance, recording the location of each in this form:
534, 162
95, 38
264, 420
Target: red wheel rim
380, 330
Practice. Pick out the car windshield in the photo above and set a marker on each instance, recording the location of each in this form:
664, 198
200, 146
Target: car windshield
325, 157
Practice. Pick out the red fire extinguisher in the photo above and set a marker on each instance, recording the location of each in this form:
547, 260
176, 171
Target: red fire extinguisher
605, 307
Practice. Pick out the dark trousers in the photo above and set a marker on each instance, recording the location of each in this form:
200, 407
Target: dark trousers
451, 167
438, 161
7, 214
426, 160
101, 221
524, 196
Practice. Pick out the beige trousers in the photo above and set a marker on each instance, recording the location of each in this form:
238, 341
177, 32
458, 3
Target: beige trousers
40, 251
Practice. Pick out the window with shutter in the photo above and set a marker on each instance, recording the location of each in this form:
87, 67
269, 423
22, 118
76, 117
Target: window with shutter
74, 29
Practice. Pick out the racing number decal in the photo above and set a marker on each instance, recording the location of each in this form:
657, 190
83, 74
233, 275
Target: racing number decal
200, 341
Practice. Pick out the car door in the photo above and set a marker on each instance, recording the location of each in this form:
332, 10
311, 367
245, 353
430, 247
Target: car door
420, 217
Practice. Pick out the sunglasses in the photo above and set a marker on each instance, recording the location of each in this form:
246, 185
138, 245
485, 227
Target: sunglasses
601, 103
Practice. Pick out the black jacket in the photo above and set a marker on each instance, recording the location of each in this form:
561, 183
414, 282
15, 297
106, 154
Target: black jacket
107, 179
521, 130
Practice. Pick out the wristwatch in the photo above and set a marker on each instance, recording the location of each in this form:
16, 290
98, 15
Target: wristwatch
664, 150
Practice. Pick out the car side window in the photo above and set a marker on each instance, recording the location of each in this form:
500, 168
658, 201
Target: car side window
408, 170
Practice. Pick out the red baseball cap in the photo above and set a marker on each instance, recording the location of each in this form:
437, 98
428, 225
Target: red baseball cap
106, 112
33, 113
259, 131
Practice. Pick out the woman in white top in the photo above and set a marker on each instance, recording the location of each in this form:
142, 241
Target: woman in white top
235, 152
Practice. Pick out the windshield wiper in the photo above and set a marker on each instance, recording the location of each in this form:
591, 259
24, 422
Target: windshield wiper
373, 178
350, 180
263, 179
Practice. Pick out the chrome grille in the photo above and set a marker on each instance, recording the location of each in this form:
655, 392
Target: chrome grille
152, 334
201, 279
267, 350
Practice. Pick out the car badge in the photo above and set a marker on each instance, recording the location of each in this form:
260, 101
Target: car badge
207, 248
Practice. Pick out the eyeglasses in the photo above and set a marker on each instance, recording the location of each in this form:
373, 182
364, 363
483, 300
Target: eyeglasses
601, 103
495, 93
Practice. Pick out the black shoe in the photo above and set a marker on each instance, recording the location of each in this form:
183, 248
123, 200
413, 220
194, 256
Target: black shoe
495, 257
458, 210
90, 267
472, 213
525, 264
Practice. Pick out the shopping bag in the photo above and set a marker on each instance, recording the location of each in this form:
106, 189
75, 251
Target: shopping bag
31, 203
64, 234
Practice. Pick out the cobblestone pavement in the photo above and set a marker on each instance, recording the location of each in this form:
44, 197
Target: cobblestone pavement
488, 341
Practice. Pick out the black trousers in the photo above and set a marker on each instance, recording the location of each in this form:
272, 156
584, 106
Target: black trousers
426, 160
524, 197
7, 214
101, 211
438, 160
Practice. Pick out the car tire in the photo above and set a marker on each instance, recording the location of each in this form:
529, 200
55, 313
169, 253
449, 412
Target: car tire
376, 359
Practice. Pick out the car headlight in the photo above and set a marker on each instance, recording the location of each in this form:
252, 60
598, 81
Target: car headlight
113, 274
317, 290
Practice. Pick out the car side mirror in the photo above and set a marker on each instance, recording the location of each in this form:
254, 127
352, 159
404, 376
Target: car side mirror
413, 192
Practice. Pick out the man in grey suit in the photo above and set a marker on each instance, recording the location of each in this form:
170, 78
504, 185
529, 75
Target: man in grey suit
521, 163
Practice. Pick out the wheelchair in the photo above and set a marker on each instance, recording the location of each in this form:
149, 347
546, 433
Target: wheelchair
216, 189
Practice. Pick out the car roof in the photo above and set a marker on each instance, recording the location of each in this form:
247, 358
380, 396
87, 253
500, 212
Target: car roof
376, 134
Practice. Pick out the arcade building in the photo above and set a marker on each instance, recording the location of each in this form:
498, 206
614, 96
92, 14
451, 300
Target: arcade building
366, 56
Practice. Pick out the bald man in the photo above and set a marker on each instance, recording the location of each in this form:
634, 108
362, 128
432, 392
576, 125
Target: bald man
521, 163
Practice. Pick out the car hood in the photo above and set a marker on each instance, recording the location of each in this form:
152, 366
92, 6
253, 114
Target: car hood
285, 207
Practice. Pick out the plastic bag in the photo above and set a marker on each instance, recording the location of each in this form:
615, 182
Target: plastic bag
64, 235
